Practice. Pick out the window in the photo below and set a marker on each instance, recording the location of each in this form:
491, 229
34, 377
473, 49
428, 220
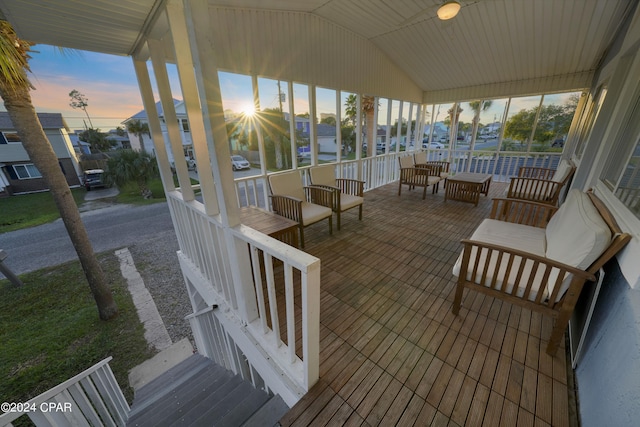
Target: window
185, 125
622, 169
27, 171
9, 138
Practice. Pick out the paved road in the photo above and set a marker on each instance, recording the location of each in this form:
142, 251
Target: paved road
109, 228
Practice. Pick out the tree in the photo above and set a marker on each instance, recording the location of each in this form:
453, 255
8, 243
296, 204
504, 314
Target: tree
14, 90
78, 100
132, 166
477, 107
329, 120
139, 129
369, 106
519, 126
98, 140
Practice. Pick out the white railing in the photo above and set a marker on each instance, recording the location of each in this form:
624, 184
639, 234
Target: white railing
92, 397
282, 299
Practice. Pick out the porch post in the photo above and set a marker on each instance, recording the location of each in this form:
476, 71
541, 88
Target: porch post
313, 128
171, 120
292, 127
184, 62
339, 133
146, 92
261, 152
359, 136
204, 61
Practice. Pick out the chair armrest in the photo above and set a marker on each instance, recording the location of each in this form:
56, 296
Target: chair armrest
322, 195
511, 265
351, 186
535, 172
520, 211
288, 207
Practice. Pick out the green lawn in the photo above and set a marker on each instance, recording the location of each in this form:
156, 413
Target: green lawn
50, 330
29, 210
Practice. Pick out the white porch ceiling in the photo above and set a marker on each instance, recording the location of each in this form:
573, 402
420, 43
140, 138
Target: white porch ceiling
490, 42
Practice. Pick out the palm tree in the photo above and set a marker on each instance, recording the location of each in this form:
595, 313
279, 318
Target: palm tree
14, 90
477, 107
139, 129
132, 166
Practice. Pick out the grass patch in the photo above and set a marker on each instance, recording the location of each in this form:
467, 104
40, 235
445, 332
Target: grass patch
50, 330
130, 193
29, 210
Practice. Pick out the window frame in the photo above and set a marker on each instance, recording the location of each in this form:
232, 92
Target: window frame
25, 166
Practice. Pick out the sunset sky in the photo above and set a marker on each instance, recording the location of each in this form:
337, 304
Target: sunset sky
110, 85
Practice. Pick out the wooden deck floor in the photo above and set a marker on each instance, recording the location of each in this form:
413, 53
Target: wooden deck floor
391, 351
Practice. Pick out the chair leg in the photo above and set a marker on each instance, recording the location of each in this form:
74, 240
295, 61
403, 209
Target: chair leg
424, 192
301, 237
330, 224
360, 213
338, 216
557, 333
457, 300
400, 188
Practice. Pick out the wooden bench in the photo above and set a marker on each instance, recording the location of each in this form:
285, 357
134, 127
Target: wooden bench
539, 256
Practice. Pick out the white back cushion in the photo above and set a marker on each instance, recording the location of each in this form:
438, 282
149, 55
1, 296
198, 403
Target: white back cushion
287, 184
577, 235
323, 175
562, 171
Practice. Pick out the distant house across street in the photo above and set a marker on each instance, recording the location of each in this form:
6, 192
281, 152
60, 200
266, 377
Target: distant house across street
18, 174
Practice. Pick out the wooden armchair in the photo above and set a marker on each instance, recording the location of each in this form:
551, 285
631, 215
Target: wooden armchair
347, 193
420, 158
305, 205
418, 175
538, 256
541, 184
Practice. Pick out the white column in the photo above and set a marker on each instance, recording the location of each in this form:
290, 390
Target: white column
149, 103
204, 59
338, 132
184, 62
359, 136
313, 128
156, 50
292, 127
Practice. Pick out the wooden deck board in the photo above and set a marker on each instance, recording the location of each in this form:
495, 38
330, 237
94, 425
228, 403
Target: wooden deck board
392, 353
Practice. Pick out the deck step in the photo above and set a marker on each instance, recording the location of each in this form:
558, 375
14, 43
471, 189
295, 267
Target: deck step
269, 414
197, 392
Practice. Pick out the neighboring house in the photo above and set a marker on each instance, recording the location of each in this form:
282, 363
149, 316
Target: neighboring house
20, 175
185, 134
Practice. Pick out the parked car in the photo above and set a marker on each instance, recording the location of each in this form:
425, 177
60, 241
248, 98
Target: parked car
239, 163
558, 143
93, 178
191, 163
432, 145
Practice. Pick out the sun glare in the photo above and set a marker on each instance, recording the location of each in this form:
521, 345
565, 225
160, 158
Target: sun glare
248, 110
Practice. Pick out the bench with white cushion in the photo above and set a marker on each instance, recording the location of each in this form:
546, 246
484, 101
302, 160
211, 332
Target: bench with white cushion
539, 256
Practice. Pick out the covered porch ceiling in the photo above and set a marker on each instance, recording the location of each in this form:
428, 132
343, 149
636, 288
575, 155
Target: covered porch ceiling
490, 41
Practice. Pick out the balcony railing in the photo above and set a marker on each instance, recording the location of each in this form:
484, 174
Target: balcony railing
260, 318
384, 168
92, 397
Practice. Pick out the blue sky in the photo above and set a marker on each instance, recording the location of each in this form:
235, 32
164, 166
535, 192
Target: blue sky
108, 82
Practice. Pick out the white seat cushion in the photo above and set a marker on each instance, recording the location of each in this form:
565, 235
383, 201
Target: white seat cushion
347, 201
521, 237
313, 213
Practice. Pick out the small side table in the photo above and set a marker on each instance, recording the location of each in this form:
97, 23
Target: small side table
467, 187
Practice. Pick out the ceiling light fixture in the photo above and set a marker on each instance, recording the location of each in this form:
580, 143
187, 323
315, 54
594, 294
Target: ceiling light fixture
448, 10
